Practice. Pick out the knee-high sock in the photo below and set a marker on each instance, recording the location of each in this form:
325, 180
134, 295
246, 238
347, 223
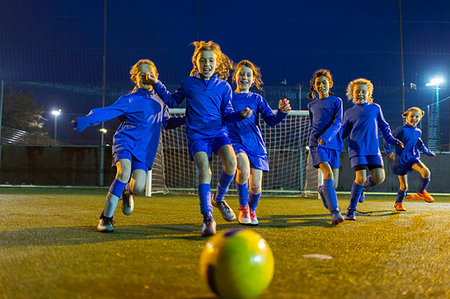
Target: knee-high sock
204, 195
423, 184
114, 194
222, 187
330, 194
253, 200
355, 195
400, 195
242, 191
369, 182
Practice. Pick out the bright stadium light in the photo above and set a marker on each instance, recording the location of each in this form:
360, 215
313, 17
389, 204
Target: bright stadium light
103, 130
56, 113
434, 121
435, 81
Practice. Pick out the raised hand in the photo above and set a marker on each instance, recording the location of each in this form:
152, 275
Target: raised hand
401, 144
74, 122
320, 142
284, 106
247, 112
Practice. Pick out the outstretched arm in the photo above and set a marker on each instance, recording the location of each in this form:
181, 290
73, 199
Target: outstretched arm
269, 117
99, 115
386, 130
170, 99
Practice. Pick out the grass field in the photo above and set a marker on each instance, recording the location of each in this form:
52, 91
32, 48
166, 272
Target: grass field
49, 248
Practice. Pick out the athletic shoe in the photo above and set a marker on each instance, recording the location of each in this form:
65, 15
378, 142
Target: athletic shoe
350, 215
127, 203
209, 226
224, 208
253, 218
362, 197
322, 197
336, 217
244, 215
399, 206
414, 196
105, 224
426, 196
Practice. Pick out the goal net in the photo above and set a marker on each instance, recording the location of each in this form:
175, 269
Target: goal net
288, 154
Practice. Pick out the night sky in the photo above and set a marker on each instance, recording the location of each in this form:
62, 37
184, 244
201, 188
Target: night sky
54, 49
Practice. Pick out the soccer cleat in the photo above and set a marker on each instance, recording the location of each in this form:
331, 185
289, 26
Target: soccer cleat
254, 220
244, 216
426, 196
322, 197
362, 197
336, 217
350, 215
127, 203
414, 196
224, 208
399, 206
105, 224
209, 226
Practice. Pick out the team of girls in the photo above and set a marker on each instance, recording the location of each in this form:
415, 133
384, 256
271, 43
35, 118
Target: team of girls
224, 122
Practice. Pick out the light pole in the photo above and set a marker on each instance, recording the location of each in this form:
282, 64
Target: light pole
433, 127
56, 113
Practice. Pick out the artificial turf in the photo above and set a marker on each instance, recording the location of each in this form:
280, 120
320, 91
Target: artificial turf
49, 248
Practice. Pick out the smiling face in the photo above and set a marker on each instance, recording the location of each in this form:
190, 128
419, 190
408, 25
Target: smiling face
360, 93
322, 86
413, 118
245, 79
141, 81
206, 63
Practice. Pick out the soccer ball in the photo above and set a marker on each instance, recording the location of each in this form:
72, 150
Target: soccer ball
237, 263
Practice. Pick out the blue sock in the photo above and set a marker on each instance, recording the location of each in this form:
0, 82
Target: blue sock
369, 182
400, 195
253, 200
355, 195
423, 184
204, 195
222, 187
330, 194
242, 191
117, 188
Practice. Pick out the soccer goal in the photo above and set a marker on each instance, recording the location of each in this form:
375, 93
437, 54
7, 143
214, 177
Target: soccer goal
288, 154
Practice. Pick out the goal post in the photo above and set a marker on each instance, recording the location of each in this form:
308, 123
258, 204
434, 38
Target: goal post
290, 172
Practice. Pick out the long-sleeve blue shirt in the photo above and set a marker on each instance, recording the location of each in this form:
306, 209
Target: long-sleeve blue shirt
410, 136
141, 114
361, 125
247, 132
208, 105
326, 122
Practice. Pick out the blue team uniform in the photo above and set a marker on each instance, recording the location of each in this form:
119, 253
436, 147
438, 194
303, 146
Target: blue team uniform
326, 123
406, 157
137, 137
208, 106
361, 124
245, 135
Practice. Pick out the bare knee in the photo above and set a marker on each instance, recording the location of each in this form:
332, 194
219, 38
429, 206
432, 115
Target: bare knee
242, 175
139, 188
426, 173
123, 174
255, 188
229, 166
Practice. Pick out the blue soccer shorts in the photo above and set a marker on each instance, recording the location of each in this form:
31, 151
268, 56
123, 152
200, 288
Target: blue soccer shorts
256, 161
364, 162
320, 154
207, 145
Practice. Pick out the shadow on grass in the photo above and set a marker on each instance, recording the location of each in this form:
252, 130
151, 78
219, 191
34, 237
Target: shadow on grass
382, 213
57, 236
280, 221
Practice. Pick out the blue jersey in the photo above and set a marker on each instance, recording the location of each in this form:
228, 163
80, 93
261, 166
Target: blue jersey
247, 132
141, 114
208, 105
361, 125
326, 122
410, 136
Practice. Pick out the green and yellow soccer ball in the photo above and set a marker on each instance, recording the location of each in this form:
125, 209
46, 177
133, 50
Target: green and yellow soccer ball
237, 263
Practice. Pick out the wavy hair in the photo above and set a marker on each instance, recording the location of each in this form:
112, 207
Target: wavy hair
358, 81
134, 71
224, 64
421, 112
318, 73
257, 81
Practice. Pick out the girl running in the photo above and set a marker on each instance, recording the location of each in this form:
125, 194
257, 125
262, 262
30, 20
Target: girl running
247, 141
208, 107
361, 125
325, 141
408, 158
136, 140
